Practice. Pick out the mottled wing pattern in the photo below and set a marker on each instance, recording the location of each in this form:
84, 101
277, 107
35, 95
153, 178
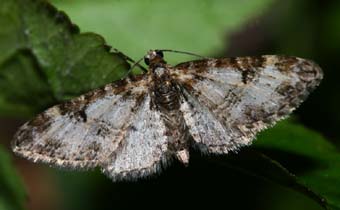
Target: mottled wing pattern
89, 130
227, 101
145, 147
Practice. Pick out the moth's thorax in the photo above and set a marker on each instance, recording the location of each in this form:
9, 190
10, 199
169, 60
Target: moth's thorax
165, 89
160, 71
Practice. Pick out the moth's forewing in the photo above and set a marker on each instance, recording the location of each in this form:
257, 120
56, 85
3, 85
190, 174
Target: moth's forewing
228, 101
111, 127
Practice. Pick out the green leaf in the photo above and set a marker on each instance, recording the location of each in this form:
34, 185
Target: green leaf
14, 85
318, 167
135, 26
12, 192
45, 59
317, 162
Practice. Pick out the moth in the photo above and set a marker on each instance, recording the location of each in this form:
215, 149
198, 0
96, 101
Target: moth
133, 127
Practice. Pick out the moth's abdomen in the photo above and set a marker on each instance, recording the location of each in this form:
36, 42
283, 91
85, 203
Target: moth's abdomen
167, 100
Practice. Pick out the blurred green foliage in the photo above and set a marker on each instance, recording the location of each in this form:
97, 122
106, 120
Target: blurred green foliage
135, 26
45, 60
321, 159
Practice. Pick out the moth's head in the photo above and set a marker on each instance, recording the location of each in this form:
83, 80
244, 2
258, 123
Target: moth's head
154, 57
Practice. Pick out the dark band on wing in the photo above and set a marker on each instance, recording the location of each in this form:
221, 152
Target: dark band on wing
246, 65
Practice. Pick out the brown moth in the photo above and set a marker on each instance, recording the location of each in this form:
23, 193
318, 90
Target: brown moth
133, 127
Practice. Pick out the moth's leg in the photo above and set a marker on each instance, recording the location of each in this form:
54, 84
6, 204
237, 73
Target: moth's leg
134, 63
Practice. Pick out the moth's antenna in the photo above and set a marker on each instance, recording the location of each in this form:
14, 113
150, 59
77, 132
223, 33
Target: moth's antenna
131, 60
182, 52
134, 65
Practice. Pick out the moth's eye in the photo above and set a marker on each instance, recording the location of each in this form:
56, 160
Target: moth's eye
146, 60
159, 53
